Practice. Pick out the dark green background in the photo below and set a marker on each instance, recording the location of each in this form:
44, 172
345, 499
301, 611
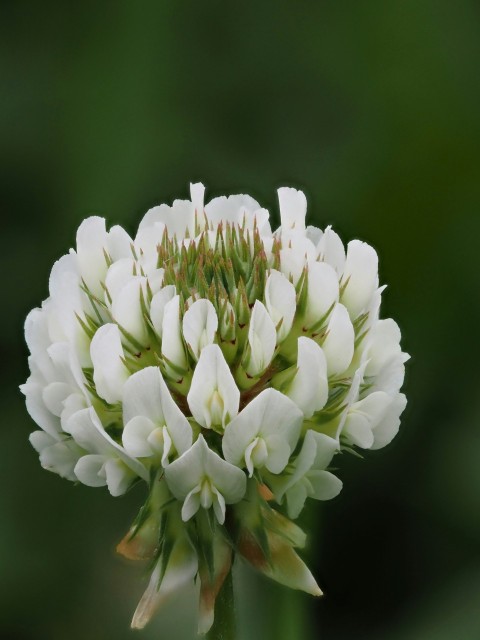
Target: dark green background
373, 109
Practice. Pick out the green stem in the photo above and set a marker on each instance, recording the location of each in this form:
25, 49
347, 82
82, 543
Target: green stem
223, 627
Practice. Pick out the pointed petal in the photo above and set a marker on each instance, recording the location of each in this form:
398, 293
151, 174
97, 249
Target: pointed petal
157, 307
109, 372
91, 241
338, 346
262, 338
200, 324
127, 308
212, 374
280, 301
360, 276
119, 243
293, 208
118, 275
172, 343
322, 291
331, 250
142, 396
309, 387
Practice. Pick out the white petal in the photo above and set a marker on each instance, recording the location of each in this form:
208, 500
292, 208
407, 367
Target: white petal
197, 193
219, 505
279, 452
234, 209
281, 302
88, 432
91, 242
38, 341
37, 409
360, 276
54, 396
188, 471
292, 263
296, 496
325, 485
338, 346
322, 291
142, 396
211, 376
135, 437
200, 324
191, 504
157, 307
384, 345
200, 463
331, 250
118, 476
127, 308
119, 243
40, 440
364, 416
387, 429
229, 480
262, 337
293, 208
146, 394
269, 414
109, 372
309, 387
172, 344
358, 430
61, 458
118, 275
90, 470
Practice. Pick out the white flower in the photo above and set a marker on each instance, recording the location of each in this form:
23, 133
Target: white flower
107, 463
309, 478
221, 364
154, 425
309, 387
262, 338
264, 434
213, 397
202, 479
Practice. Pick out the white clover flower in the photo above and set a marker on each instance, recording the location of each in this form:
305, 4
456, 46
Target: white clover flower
222, 364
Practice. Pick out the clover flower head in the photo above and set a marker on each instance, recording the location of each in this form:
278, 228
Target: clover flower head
224, 365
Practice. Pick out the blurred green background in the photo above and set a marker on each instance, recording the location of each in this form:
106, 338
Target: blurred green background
373, 109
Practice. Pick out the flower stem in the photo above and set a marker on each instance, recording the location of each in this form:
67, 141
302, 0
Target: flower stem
223, 627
